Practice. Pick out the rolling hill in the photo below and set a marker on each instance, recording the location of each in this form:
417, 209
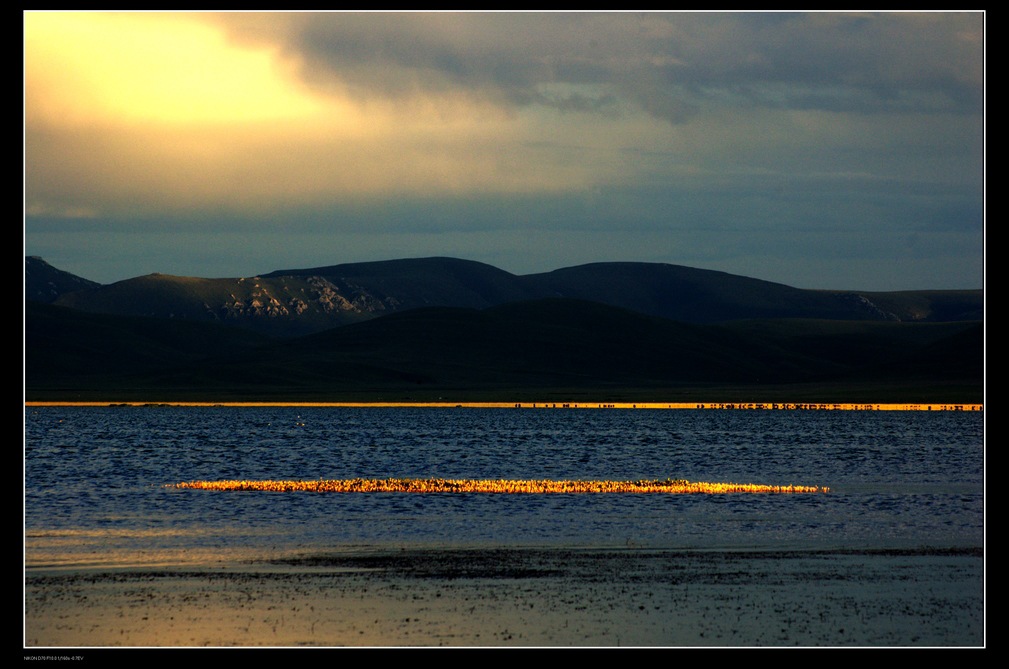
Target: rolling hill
436, 328
291, 303
45, 283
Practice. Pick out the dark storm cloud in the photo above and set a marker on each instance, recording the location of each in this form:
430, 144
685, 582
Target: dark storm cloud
669, 64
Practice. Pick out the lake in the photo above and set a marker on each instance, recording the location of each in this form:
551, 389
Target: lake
97, 479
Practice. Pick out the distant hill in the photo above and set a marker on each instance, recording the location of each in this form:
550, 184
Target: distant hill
431, 328
45, 283
423, 282
295, 302
705, 296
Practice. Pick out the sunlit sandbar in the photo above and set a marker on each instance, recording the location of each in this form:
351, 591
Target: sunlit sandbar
544, 486
778, 406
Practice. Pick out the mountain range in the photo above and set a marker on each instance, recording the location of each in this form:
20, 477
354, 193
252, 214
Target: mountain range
437, 328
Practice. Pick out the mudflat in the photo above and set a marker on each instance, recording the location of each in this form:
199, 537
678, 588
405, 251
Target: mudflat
517, 597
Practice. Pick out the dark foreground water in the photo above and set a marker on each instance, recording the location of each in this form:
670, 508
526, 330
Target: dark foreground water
95, 479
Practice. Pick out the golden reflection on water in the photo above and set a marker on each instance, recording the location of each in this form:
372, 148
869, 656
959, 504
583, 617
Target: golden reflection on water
506, 486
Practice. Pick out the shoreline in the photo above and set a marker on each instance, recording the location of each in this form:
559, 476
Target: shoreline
520, 597
763, 406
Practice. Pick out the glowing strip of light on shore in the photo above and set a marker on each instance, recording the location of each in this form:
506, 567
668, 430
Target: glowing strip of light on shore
668, 486
779, 406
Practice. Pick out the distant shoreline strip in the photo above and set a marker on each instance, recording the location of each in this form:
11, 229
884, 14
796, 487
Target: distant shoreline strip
773, 406
500, 486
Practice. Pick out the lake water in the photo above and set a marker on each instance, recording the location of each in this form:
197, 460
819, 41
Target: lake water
95, 479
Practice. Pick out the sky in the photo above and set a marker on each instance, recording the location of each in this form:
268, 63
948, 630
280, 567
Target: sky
819, 150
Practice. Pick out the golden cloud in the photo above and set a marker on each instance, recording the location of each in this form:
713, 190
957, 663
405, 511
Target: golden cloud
128, 111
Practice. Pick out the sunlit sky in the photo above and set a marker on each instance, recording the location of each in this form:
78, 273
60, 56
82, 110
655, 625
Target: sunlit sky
819, 150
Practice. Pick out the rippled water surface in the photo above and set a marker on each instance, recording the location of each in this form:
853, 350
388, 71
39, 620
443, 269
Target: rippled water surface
95, 478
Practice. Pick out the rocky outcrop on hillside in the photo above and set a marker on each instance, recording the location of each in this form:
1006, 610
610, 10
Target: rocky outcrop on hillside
284, 298
871, 310
259, 303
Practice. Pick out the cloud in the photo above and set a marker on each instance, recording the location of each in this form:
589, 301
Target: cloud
180, 110
613, 131
669, 64
131, 111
